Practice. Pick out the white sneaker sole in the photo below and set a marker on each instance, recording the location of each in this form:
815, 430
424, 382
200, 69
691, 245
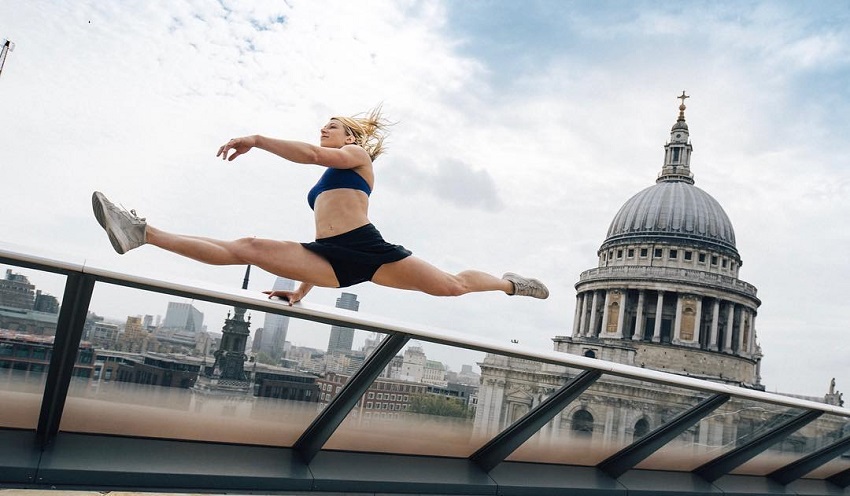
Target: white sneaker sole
97, 200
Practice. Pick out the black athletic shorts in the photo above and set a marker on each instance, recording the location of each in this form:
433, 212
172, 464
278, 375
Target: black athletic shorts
356, 255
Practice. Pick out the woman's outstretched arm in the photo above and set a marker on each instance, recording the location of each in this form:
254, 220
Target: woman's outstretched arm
347, 157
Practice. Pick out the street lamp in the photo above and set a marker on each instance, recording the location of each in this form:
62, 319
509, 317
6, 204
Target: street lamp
5, 48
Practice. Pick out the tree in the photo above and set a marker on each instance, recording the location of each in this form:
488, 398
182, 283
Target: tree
267, 359
432, 404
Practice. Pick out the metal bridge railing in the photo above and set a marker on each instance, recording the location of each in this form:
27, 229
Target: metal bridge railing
54, 457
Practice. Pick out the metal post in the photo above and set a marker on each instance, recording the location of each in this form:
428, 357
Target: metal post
312, 440
724, 464
624, 460
66, 346
498, 448
803, 466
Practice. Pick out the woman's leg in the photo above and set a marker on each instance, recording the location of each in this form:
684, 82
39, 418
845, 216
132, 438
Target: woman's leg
282, 258
128, 231
416, 274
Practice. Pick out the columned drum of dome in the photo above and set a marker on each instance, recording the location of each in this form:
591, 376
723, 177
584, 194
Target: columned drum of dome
666, 293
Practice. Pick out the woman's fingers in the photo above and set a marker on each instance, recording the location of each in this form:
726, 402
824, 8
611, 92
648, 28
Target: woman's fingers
288, 296
222, 152
230, 145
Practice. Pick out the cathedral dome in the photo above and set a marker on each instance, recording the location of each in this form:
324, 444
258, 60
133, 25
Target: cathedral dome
674, 210
665, 294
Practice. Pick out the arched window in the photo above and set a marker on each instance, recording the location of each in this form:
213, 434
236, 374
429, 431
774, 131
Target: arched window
641, 428
583, 423
590, 354
518, 411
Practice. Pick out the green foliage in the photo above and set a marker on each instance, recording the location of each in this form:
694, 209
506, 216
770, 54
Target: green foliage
267, 359
432, 404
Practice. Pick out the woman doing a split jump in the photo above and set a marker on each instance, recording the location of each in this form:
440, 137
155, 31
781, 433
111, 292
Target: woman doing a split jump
348, 249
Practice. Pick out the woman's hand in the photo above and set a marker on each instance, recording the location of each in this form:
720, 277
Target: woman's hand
288, 296
238, 145
291, 296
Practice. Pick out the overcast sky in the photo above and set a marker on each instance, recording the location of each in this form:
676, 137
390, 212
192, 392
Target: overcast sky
522, 128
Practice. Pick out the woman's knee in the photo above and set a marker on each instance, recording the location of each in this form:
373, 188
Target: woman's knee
450, 285
249, 250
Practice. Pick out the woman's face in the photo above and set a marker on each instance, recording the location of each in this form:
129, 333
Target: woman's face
334, 135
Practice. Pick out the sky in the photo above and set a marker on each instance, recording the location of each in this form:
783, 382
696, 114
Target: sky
520, 130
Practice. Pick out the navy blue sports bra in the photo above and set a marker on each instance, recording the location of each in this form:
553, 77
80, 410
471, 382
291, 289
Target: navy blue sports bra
336, 179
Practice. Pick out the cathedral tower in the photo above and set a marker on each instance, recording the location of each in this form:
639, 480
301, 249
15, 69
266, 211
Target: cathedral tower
666, 293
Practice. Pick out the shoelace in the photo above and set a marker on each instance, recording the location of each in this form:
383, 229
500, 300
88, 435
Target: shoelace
132, 212
526, 287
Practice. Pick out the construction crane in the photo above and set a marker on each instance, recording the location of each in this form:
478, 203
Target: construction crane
5, 48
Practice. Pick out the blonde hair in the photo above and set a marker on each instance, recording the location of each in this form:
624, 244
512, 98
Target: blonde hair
369, 130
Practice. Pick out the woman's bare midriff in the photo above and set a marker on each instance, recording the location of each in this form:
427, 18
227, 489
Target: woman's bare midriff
338, 211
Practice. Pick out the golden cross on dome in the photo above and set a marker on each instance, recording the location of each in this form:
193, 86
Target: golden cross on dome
682, 106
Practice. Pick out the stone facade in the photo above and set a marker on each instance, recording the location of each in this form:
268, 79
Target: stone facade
666, 296
615, 412
666, 293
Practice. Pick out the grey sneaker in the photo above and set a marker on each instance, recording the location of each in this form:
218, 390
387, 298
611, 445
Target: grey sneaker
125, 229
524, 286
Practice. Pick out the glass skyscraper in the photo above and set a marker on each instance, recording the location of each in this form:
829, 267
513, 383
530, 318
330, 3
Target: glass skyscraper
183, 316
342, 338
275, 326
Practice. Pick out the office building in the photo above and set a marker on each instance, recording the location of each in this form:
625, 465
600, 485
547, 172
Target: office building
275, 326
184, 317
342, 338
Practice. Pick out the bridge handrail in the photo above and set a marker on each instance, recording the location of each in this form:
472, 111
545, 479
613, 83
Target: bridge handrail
334, 316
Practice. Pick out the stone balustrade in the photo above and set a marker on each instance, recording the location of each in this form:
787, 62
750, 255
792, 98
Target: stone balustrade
673, 274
